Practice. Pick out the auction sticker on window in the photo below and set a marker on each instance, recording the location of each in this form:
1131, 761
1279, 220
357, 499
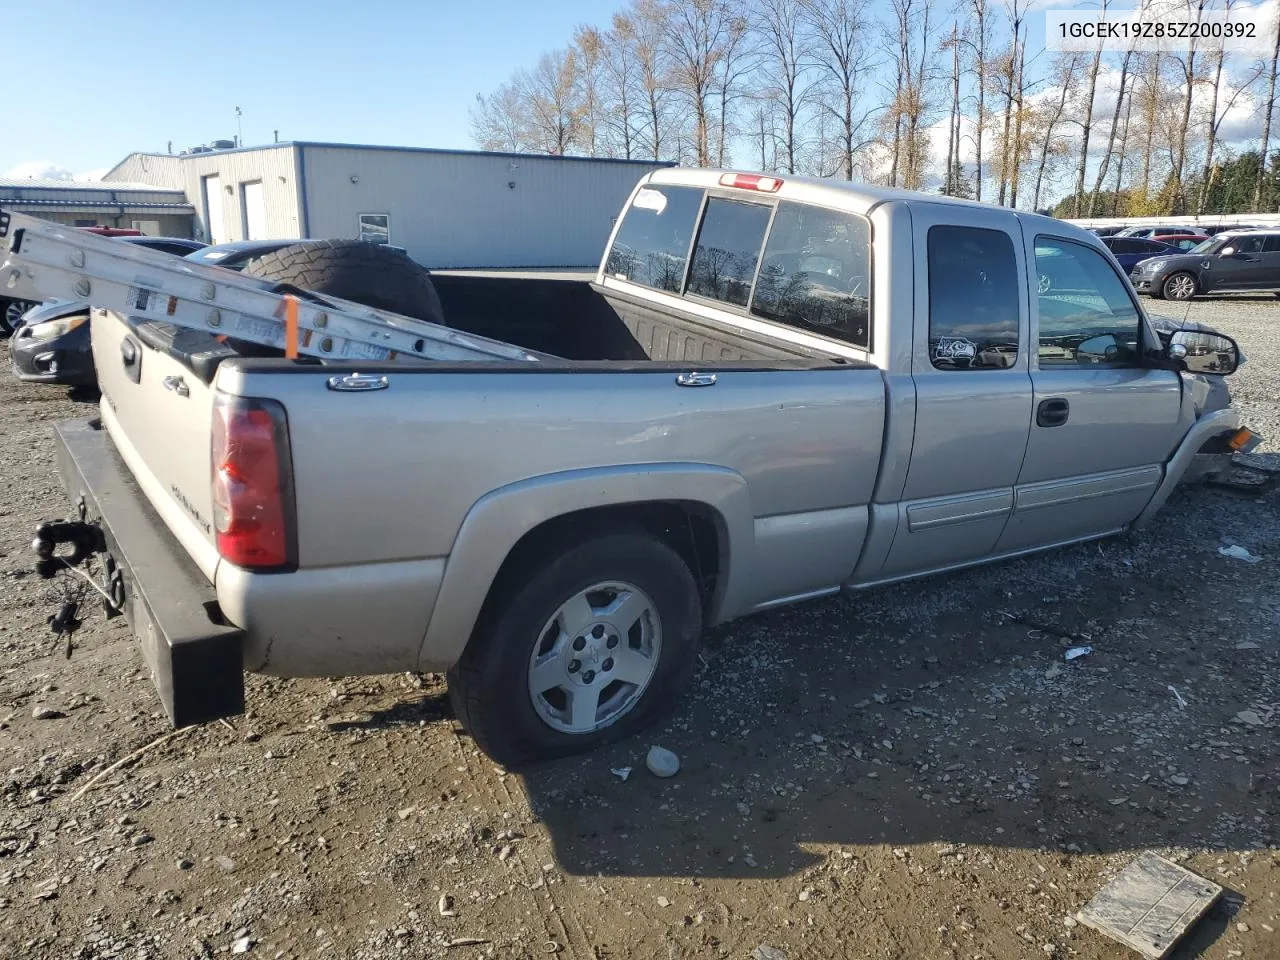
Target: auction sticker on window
1162, 27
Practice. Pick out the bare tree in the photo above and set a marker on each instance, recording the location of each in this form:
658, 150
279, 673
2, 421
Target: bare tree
1190, 78
1105, 164
1052, 147
953, 120
620, 81
908, 106
496, 120
698, 32
836, 29
736, 63
1019, 114
1122, 152
1268, 107
790, 84
1086, 125
555, 115
647, 22
588, 48
980, 73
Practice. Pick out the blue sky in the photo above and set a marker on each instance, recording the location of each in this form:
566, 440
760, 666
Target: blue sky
89, 82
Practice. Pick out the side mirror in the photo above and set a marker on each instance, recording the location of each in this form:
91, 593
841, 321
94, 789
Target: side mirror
1227, 252
1211, 353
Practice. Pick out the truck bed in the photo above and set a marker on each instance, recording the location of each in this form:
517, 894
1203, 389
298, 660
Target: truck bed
571, 317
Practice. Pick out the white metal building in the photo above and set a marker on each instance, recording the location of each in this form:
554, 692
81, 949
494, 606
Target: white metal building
153, 209
447, 208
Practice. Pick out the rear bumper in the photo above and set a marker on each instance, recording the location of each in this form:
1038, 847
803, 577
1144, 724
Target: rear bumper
194, 656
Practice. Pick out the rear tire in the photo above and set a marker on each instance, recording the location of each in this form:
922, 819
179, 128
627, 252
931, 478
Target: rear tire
541, 620
365, 273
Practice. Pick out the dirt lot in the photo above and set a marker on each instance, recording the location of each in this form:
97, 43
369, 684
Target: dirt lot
904, 774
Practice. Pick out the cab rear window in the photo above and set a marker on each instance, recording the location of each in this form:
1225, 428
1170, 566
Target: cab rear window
652, 243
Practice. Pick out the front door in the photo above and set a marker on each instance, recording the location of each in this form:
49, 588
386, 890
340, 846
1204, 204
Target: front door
1102, 425
973, 390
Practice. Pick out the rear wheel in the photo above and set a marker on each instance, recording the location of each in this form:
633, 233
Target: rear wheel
366, 273
1180, 286
583, 650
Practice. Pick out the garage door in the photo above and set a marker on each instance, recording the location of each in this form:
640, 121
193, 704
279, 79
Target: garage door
254, 205
212, 187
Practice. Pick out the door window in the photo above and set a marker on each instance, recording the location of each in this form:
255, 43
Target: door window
1250, 244
816, 273
652, 244
973, 299
1271, 243
724, 261
1087, 317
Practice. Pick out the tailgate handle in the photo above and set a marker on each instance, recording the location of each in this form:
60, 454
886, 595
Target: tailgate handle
695, 379
131, 357
177, 385
354, 382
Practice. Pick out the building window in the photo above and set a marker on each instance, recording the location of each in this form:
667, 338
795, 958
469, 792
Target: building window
375, 227
85, 223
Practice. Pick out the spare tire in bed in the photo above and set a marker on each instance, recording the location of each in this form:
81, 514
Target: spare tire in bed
355, 270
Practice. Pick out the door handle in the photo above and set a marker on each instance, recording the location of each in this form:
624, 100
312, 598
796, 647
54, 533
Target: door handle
1052, 412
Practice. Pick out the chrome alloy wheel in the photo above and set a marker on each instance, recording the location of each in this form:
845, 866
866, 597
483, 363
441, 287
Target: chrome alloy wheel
594, 659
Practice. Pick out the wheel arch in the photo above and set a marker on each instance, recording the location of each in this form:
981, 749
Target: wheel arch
689, 506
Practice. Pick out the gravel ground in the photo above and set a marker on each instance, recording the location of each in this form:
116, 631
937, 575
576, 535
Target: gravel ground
907, 773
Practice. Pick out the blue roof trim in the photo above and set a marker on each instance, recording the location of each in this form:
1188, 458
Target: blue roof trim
379, 147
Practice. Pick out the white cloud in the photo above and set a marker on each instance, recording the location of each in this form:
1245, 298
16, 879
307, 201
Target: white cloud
38, 170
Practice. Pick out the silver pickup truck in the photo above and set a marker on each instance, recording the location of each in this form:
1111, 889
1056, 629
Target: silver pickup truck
773, 389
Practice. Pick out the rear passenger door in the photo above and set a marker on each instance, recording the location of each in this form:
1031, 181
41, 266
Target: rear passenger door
973, 389
1102, 425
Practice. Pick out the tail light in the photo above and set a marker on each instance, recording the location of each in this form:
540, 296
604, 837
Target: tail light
253, 510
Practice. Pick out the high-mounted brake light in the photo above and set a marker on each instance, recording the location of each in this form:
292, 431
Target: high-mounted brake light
751, 181
253, 511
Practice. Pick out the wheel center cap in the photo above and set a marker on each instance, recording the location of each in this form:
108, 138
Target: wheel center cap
590, 655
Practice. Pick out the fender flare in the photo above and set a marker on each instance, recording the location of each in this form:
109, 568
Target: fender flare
1204, 429
498, 520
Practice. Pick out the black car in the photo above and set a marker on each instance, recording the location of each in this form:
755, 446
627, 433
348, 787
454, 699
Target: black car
51, 343
1247, 262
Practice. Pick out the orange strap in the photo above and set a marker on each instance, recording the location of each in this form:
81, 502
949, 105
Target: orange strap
290, 327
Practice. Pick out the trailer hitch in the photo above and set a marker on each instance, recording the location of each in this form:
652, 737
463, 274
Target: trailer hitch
85, 538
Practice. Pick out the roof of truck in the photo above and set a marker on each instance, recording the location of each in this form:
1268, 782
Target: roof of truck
858, 198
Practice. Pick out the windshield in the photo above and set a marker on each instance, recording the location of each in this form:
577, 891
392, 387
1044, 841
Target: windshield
1212, 245
209, 254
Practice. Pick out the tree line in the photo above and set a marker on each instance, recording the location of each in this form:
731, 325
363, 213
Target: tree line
839, 88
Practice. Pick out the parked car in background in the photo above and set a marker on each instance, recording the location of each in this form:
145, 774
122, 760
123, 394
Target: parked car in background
238, 254
178, 246
1106, 231
1216, 229
1247, 262
1130, 251
1156, 232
